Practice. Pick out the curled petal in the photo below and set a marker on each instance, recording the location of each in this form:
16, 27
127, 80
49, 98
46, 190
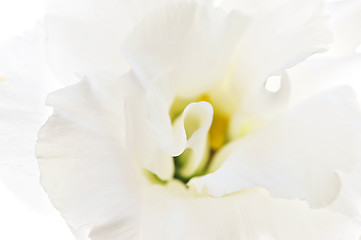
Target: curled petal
195, 122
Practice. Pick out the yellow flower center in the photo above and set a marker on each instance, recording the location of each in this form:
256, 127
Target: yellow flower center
219, 127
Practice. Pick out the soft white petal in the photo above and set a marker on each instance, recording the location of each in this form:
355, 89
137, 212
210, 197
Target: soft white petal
348, 201
346, 26
250, 7
88, 34
172, 139
320, 73
84, 164
296, 155
263, 106
276, 40
190, 43
141, 136
15, 20
173, 213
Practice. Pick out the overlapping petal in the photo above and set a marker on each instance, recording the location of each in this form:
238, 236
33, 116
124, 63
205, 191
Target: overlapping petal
92, 171
348, 201
346, 26
319, 73
296, 155
277, 39
181, 51
141, 140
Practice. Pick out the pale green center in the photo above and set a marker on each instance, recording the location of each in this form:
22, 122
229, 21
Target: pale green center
217, 136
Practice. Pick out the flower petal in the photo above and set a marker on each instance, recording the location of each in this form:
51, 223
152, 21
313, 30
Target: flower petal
296, 155
250, 7
346, 26
193, 44
320, 73
348, 200
152, 156
294, 31
84, 164
88, 34
172, 212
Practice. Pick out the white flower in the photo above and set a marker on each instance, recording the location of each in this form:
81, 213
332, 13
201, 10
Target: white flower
173, 133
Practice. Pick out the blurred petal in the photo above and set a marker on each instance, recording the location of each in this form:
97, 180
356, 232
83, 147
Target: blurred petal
348, 201
320, 73
25, 82
250, 7
87, 34
296, 155
346, 26
190, 43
